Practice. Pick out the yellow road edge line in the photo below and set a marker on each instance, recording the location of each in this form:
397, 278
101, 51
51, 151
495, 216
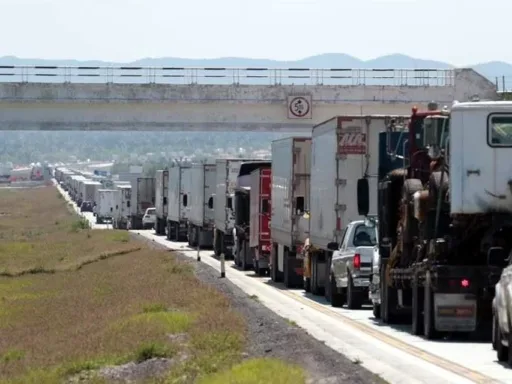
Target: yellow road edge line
456, 368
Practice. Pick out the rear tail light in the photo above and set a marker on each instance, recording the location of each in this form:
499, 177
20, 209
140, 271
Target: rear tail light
357, 261
464, 283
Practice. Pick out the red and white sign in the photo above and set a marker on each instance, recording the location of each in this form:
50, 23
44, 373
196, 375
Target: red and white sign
352, 143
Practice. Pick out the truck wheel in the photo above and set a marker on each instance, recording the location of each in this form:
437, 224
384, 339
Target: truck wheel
376, 310
354, 299
501, 350
216, 243
337, 299
275, 276
315, 289
243, 256
417, 308
307, 284
288, 280
429, 329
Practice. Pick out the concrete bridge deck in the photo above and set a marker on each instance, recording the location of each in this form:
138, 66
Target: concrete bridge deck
133, 98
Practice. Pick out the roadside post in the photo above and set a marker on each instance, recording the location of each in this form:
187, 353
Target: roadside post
198, 255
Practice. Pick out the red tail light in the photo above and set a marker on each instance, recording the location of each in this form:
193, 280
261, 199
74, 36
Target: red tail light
464, 283
357, 261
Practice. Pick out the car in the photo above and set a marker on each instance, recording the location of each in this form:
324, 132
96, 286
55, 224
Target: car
86, 206
149, 218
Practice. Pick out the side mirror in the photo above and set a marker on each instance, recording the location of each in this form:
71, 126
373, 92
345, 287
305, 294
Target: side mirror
496, 257
333, 246
363, 197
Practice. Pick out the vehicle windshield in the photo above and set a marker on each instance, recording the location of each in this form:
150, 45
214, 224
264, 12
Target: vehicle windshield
151, 211
365, 236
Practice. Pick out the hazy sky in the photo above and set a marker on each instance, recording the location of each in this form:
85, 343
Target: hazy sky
458, 32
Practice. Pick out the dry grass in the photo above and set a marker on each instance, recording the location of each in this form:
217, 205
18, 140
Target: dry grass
39, 233
115, 310
68, 307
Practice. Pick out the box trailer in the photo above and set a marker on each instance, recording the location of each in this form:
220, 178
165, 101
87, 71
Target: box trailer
123, 203
178, 203
259, 227
143, 197
291, 170
106, 205
201, 215
161, 195
344, 149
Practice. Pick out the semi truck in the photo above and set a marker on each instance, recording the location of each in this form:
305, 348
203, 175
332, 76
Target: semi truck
143, 197
161, 195
88, 191
343, 150
106, 205
243, 255
226, 176
178, 203
291, 169
201, 215
123, 203
445, 227
259, 226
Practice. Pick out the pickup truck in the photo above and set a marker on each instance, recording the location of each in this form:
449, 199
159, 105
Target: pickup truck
351, 264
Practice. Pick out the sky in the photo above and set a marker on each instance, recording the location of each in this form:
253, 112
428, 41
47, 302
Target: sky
458, 32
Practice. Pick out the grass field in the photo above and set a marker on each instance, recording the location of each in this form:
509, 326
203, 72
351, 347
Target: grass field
74, 300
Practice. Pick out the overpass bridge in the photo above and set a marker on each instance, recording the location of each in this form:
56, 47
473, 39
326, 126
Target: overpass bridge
182, 99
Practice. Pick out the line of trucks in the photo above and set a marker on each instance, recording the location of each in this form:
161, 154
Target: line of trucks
411, 214
122, 201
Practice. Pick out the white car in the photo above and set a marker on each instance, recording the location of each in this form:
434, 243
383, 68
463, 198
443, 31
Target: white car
149, 219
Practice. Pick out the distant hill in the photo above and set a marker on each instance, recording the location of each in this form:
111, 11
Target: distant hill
491, 70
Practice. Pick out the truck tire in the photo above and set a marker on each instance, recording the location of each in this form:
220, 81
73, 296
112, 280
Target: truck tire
243, 256
275, 276
315, 289
376, 310
429, 328
288, 278
307, 284
417, 307
387, 304
354, 298
337, 299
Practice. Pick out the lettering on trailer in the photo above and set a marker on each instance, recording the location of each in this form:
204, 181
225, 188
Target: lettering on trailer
300, 107
352, 143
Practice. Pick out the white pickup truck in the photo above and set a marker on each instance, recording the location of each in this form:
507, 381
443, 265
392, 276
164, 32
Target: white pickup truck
351, 264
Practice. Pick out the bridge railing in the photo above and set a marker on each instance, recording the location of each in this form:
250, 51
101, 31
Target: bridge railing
255, 76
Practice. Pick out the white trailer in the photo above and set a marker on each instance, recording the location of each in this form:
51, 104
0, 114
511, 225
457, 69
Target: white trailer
291, 170
143, 197
161, 195
226, 177
88, 190
123, 203
344, 149
106, 204
202, 192
178, 203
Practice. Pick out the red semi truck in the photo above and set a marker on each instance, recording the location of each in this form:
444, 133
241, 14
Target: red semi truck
259, 238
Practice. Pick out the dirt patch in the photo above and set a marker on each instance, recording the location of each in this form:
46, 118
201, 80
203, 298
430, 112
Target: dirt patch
269, 335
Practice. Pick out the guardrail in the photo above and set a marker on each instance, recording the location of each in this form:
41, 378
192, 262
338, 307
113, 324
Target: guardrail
257, 76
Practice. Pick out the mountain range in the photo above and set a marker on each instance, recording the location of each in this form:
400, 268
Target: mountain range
493, 70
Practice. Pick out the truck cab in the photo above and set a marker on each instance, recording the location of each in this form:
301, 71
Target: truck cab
351, 264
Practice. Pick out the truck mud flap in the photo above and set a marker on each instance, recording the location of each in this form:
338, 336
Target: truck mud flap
455, 312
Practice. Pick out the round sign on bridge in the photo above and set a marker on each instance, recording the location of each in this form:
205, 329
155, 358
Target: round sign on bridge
299, 107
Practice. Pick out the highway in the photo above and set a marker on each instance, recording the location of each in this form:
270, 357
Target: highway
391, 352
